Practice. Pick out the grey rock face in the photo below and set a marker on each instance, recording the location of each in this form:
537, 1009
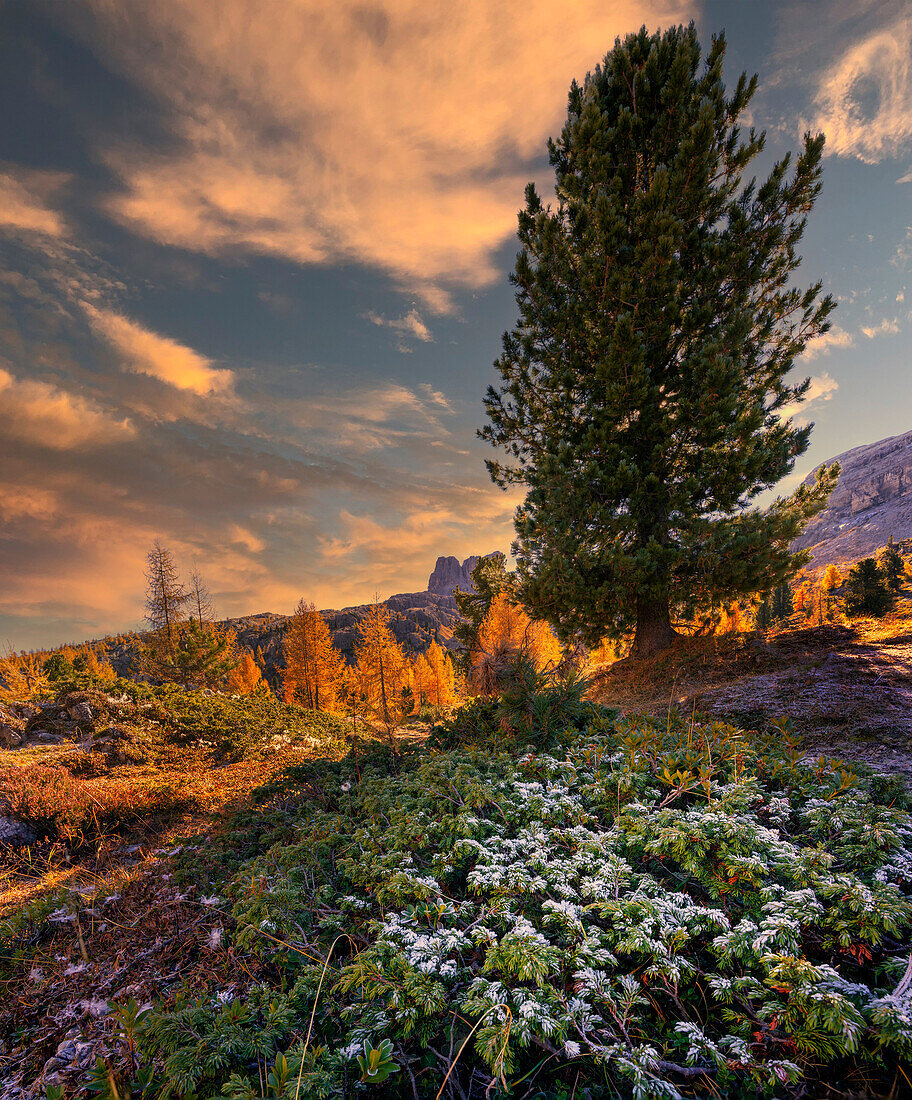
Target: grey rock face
449, 574
871, 502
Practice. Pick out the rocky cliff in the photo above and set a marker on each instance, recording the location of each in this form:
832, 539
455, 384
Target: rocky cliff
871, 502
449, 574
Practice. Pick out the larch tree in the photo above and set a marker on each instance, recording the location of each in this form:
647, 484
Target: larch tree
200, 598
382, 672
435, 677
506, 633
246, 679
166, 597
644, 397
313, 666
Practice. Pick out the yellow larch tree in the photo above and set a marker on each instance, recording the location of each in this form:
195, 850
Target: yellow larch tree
506, 623
383, 673
506, 632
832, 579
441, 689
246, 679
313, 666
21, 675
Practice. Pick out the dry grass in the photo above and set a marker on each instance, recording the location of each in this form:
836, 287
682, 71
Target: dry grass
87, 821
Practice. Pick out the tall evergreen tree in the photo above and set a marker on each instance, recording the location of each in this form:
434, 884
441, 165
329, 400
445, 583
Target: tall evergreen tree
867, 591
644, 389
892, 565
782, 602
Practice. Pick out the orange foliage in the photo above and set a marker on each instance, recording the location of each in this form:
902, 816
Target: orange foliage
383, 675
313, 667
832, 578
246, 679
435, 678
21, 675
803, 599
507, 625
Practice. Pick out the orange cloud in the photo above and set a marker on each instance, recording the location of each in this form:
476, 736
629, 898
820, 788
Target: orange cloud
38, 412
146, 352
398, 134
25, 201
864, 100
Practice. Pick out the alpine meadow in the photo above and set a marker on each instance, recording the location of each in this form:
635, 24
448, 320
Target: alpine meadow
617, 803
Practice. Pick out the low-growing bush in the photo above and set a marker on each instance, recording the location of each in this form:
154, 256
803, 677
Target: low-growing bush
643, 910
236, 724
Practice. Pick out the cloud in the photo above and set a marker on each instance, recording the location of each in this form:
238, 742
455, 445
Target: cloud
827, 341
25, 201
160, 357
902, 255
242, 537
864, 100
885, 327
398, 134
822, 388
36, 412
409, 325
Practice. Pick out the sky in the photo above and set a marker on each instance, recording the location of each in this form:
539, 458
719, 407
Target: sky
254, 272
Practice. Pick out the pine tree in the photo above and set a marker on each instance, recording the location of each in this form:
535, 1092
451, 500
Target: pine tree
763, 617
642, 390
382, 672
313, 666
203, 655
892, 565
867, 591
781, 603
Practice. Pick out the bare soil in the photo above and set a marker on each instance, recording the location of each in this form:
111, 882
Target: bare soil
846, 687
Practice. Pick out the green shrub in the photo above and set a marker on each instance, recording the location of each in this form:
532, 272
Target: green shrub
867, 591
646, 908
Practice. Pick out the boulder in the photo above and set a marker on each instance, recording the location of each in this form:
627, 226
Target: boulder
15, 833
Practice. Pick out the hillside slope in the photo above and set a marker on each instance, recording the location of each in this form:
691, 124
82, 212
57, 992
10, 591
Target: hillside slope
871, 502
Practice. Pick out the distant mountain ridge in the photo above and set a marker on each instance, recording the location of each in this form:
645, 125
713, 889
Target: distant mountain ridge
416, 620
872, 501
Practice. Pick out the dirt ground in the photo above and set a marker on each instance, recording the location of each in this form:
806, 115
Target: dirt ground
847, 688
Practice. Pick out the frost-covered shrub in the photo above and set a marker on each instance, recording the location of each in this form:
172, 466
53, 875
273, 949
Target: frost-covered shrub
651, 910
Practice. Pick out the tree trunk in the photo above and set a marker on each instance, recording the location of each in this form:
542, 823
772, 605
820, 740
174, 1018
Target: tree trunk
654, 631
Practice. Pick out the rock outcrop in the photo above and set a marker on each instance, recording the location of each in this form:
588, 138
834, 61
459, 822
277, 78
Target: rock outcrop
871, 502
449, 574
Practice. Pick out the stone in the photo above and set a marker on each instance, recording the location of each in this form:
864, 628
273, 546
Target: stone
10, 737
15, 833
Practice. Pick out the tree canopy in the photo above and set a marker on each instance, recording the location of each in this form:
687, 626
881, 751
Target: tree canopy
644, 398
